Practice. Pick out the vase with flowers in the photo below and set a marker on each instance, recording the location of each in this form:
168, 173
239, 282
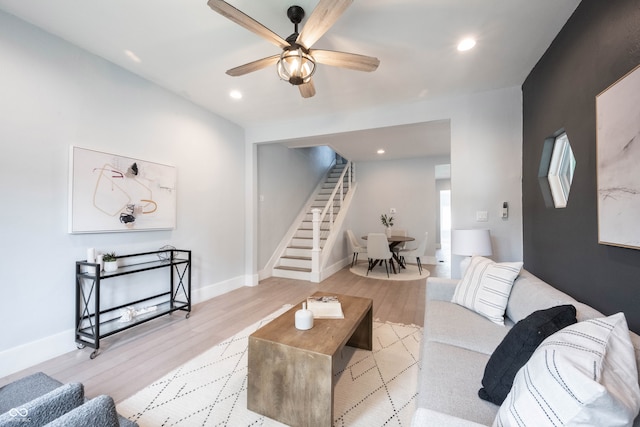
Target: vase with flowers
387, 221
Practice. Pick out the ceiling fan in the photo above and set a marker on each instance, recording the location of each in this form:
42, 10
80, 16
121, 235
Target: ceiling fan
297, 62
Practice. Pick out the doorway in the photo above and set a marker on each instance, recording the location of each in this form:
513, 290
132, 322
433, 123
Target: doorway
443, 254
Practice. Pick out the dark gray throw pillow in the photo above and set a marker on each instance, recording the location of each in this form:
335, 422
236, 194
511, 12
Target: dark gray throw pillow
517, 347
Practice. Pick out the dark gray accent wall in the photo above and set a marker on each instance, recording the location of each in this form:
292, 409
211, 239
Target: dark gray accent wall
598, 45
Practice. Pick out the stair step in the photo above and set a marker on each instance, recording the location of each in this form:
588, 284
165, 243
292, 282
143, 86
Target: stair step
293, 261
297, 251
303, 270
303, 241
325, 200
302, 233
336, 208
309, 217
292, 274
308, 225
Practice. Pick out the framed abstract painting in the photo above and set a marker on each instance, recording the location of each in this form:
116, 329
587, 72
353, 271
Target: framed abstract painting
111, 193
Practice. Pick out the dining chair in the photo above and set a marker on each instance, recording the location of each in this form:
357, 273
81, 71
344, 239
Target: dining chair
416, 253
354, 247
403, 245
378, 250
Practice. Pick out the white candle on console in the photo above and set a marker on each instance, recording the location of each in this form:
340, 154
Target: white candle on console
91, 255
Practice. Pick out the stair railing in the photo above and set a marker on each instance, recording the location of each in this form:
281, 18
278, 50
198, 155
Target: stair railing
319, 216
339, 189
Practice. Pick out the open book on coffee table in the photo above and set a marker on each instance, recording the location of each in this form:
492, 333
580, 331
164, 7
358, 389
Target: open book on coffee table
325, 307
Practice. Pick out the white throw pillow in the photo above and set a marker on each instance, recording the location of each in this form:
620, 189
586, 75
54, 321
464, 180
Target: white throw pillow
486, 286
583, 375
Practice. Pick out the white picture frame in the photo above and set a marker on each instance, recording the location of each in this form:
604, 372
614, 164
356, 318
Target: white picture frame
113, 193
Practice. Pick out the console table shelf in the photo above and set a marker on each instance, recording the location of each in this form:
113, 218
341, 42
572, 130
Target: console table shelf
94, 322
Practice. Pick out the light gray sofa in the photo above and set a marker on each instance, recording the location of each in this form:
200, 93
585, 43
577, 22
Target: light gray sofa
39, 400
458, 343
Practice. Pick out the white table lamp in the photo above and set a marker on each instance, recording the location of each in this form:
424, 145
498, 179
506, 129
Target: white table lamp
470, 242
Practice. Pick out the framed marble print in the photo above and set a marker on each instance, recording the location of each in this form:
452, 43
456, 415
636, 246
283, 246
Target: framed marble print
618, 160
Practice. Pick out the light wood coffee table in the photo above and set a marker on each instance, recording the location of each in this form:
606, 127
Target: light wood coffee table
291, 372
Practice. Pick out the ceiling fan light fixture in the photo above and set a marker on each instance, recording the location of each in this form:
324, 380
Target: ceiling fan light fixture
466, 44
296, 65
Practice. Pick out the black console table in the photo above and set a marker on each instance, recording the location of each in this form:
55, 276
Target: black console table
94, 322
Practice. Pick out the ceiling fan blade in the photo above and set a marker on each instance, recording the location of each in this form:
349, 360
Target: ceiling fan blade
307, 90
345, 60
253, 66
240, 18
321, 19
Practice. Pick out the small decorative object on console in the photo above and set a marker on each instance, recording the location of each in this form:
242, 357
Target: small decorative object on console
110, 261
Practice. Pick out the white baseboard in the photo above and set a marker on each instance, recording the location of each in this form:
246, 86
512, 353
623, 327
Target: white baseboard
334, 268
23, 356
264, 274
217, 289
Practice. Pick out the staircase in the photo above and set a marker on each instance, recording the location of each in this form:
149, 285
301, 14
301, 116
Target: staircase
296, 261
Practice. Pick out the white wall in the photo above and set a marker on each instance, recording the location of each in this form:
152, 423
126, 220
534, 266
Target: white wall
55, 95
286, 179
409, 186
486, 155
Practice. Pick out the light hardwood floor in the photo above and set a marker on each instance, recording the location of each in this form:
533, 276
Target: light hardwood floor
132, 359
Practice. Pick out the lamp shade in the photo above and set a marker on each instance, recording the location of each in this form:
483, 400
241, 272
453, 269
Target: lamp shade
471, 242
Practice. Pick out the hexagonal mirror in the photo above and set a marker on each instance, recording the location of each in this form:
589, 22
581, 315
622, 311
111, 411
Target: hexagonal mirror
557, 166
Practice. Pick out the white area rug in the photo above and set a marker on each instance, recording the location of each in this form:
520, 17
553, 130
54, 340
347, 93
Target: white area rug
378, 272
372, 388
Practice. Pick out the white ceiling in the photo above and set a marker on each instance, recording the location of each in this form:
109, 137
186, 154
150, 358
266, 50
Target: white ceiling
186, 48
398, 142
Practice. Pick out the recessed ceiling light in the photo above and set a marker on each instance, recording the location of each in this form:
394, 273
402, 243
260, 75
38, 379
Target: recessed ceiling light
380, 151
132, 56
235, 94
466, 44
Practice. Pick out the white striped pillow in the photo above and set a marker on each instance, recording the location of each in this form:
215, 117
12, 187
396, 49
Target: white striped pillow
486, 286
582, 375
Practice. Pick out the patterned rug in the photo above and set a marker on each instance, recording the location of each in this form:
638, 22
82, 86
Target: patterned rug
372, 388
411, 272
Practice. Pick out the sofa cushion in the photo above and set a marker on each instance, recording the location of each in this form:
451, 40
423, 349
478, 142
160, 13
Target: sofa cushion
485, 287
453, 324
585, 312
449, 378
529, 294
45, 408
518, 346
100, 411
584, 374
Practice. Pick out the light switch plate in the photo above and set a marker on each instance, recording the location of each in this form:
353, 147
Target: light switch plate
482, 216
